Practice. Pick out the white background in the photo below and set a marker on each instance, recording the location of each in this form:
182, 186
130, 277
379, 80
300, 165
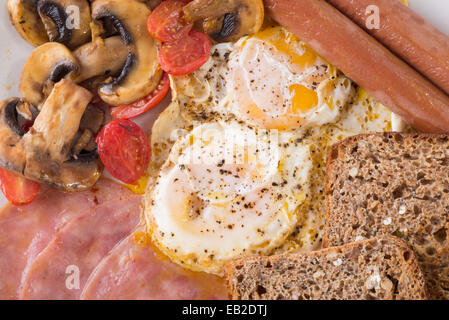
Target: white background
14, 51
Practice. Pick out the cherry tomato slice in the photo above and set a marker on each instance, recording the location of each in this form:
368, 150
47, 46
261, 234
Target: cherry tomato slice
140, 107
185, 55
17, 189
124, 149
166, 22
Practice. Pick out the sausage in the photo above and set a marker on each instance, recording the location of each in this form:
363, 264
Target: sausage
406, 34
366, 61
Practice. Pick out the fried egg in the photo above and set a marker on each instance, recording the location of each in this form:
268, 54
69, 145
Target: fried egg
277, 82
228, 190
205, 208
270, 80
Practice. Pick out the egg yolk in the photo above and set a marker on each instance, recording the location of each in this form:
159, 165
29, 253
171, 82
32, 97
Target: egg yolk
288, 44
303, 98
275, 80
139, 186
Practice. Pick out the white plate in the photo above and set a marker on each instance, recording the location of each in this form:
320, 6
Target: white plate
14, 52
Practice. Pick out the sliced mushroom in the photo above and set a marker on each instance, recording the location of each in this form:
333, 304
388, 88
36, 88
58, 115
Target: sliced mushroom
48, 143
101, 57
24, 17
226, 20
12, 116
90, 125
12, 155
46, 65
152, 4
82, 143
24, 109
141, 72
66, 21
93, 119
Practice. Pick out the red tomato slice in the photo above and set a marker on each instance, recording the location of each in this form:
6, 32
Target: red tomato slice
185, 55
166, 22
142, 106
17, 189
124, 149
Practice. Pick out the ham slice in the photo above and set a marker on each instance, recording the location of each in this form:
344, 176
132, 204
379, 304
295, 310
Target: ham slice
26, 231
62, 268
135, 270
42, 242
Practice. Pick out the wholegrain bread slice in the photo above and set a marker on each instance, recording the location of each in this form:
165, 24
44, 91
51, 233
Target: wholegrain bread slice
379, 268
393, 183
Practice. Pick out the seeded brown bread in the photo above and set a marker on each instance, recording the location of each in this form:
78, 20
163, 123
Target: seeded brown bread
398, 184
378, 268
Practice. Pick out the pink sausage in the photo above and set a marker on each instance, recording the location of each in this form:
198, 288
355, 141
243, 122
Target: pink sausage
406, 34
366, 61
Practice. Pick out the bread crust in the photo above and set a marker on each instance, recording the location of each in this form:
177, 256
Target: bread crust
382, 268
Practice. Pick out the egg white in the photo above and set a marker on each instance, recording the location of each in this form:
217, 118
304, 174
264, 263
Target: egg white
226, 191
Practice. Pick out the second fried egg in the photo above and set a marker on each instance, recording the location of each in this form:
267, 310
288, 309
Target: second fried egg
226, 191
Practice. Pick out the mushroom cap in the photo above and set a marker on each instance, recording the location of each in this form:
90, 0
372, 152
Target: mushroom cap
226, 20
12, 154
48, 143
49, 62
25, 18
141, 73
101, 57
152, 4
66, 21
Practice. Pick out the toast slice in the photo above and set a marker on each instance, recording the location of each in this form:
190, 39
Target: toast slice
393, 183
378, 268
